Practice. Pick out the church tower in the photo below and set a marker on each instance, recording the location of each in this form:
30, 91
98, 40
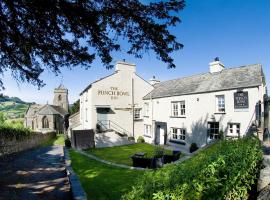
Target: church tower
61, 97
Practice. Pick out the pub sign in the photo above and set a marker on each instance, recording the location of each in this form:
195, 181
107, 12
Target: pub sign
240, 100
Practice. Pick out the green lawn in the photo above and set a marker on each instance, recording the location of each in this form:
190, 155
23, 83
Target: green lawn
58, 140
122, 154
101, 181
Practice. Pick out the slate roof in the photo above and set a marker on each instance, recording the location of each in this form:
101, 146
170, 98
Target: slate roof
32, 110
51, 110
233, 78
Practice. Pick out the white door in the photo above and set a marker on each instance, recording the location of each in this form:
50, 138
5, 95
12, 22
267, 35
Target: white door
160, 134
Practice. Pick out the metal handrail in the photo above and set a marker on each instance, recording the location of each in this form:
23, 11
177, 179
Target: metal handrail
112, 125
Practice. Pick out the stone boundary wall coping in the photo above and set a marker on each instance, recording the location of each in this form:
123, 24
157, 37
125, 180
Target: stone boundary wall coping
77, 190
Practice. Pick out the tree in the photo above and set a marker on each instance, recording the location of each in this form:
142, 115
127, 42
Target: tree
37, 35
75, 107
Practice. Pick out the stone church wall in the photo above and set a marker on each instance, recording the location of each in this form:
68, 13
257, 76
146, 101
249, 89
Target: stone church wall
8, 146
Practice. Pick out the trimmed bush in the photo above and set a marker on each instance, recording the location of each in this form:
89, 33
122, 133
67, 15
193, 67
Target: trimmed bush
14, 131
67, 143
193, 147
140, 139
225, 170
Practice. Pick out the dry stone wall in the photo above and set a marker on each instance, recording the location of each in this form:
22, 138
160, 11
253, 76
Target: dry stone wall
9, 146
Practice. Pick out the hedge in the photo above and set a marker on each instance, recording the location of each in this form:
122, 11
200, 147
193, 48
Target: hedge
225, 170
14, 131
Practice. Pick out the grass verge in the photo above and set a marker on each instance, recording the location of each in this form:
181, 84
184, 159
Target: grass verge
101, 181
58, 140
122, 154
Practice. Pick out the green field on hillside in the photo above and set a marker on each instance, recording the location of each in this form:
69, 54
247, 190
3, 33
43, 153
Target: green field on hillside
13, 107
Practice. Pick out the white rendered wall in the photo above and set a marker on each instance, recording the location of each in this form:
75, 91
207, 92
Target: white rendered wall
121, 84
200, 109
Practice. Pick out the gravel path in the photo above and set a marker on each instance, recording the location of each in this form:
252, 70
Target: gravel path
34, 174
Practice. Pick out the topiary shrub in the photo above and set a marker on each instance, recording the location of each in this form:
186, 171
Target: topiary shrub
140, 139
67, 143
193, 147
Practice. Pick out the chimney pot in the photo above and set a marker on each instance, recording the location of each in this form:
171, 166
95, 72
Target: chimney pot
216, 66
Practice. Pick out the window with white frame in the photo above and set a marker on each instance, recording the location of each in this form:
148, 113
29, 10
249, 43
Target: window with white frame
178, 108
213, 130
147, 130
233, 129
146, 109
220, 103
137, 113
178, 134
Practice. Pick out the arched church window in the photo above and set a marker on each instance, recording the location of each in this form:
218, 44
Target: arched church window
45, 122
59, 98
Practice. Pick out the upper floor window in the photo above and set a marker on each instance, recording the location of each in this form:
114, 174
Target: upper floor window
146, 109
59, 98
220, 103
178, 108
137, 113
86, 96
178, 133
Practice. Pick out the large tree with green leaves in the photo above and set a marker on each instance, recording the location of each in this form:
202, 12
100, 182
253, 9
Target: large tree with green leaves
50, 34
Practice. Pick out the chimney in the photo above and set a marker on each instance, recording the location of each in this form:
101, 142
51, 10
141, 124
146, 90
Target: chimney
153, 81
216, 66
124, 66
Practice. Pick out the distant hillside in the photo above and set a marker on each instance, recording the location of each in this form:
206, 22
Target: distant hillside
13, 107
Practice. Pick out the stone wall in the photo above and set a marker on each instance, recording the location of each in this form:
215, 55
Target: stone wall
8, 146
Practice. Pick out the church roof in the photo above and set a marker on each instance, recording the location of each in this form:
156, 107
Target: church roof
233, 78
52, 110
32, 110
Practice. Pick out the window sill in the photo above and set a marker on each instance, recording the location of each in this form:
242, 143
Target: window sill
146, 116
177, 142
177, 116
220, 113
148, 136
138, 119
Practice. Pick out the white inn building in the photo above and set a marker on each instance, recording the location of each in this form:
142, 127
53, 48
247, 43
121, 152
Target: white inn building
195, 109
111, 102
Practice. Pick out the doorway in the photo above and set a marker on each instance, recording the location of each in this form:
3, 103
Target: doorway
161, 133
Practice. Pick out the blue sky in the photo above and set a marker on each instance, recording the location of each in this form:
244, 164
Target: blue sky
237, 31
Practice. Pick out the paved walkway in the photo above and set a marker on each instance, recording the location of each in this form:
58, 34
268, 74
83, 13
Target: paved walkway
34, 174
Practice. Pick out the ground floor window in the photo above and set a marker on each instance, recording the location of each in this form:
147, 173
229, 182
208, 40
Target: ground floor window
213, 130
234, 128
45, 122
147, 130
178, 133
